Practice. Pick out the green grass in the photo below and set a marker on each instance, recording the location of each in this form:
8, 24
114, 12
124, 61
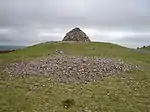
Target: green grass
146, 48
129, 92
73, 48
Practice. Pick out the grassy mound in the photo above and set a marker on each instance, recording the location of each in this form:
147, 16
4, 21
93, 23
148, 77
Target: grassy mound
74, 48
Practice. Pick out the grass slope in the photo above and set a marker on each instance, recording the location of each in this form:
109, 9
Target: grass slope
126, 93
73, 48
146, 48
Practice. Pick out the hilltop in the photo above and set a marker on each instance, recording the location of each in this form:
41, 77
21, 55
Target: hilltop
69, 48
98, 49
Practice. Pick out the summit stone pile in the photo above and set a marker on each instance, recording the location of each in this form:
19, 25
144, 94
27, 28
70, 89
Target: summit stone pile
76, 35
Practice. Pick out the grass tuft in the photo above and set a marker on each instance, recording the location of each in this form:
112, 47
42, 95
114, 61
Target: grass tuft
68, 103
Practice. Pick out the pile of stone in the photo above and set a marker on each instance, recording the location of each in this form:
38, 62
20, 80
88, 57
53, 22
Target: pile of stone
76, 35
66, 69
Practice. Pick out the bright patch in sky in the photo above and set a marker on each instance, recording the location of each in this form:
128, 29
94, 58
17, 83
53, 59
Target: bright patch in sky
4, 31
113, 34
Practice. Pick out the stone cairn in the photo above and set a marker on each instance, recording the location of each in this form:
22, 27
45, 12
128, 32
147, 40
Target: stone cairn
76, 35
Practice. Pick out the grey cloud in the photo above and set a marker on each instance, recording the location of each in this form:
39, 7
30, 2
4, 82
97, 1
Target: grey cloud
28, 36
135, 41
79, 12
25, 17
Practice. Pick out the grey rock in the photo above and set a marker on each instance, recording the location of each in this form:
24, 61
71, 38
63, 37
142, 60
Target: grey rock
57, 51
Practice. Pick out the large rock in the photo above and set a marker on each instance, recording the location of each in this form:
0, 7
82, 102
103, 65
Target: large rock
76, 35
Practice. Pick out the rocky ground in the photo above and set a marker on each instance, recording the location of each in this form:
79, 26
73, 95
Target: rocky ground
66, 69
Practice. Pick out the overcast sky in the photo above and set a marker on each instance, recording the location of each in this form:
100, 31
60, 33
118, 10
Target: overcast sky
27, 22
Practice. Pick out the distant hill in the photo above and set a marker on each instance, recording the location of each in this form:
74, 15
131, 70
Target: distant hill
146, 48
5, 48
